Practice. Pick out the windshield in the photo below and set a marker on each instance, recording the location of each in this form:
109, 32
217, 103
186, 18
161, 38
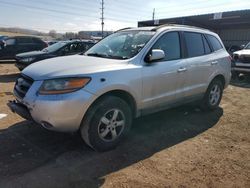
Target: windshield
54, 47
121, 45
247, 46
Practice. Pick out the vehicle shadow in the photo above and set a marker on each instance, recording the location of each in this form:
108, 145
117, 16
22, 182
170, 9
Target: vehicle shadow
11, 61
31, 151
8, 78
242, 81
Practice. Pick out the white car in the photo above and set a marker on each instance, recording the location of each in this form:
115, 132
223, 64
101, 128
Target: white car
241, 61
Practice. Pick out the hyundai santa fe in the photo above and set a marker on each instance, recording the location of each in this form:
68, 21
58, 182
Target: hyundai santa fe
128, 74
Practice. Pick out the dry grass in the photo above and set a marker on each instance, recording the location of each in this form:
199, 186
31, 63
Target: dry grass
13, 34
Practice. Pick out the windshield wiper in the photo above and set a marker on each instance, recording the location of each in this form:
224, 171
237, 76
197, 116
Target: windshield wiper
96, 55
106, 56
117, 57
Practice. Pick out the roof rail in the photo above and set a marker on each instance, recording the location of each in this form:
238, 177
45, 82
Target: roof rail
177, 25
123, 29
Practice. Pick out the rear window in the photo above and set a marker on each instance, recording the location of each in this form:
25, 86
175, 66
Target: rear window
216, 45
194, 43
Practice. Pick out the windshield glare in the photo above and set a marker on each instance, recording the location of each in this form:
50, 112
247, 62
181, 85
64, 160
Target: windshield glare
54, 47
121, 45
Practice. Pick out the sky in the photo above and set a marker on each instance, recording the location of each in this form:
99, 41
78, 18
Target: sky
76, 15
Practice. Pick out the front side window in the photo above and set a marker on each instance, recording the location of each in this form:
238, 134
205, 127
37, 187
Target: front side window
194, 44
54, 47
10, 42
170, 44
121, 45
214, 42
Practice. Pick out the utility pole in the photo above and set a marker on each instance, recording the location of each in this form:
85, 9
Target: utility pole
102, 14
153, 17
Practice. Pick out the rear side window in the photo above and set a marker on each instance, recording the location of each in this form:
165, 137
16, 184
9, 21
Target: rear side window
194, 43
214, 42
206, 45
170, 44
38, 41
24, 40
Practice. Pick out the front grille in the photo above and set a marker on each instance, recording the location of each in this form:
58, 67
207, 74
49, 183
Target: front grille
23, 83
245, 59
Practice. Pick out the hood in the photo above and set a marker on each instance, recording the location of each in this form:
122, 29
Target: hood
30, 54
243, 52
74, 65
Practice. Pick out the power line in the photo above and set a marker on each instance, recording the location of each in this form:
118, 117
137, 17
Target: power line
61, 12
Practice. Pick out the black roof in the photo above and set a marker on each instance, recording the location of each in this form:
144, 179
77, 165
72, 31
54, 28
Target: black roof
226, 20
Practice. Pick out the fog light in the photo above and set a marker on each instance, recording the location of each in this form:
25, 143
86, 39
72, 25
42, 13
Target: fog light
46, 125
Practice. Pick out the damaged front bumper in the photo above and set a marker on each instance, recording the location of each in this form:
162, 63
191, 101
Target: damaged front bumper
20, 109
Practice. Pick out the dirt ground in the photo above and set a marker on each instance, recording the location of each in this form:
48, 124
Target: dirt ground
181, 147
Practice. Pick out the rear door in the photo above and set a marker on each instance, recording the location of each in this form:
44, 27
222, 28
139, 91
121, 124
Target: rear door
199, 59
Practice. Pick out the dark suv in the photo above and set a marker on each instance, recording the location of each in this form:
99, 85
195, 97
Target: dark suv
20, 44
61, 48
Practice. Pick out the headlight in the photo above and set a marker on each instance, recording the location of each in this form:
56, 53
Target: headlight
27, 60
62, 85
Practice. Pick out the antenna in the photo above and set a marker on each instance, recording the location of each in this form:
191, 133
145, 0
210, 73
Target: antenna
102, 14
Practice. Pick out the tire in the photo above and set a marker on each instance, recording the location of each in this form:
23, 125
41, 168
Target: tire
106, 123
213, 95
235, 75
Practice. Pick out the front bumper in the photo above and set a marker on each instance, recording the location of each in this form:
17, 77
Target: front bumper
241, 70
20, 66
20, 109
241, 67
62, 112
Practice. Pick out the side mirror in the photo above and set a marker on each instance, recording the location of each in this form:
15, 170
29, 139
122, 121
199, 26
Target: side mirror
156, 54
2, 45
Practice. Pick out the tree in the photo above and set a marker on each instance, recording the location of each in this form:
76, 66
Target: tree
52, 33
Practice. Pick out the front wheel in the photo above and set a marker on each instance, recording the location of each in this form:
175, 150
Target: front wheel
213, 95
106, 123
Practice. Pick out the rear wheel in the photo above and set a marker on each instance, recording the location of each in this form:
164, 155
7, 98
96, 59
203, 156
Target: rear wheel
213, 95
106, 123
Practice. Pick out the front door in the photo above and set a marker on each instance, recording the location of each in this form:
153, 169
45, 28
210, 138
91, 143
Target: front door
163, 80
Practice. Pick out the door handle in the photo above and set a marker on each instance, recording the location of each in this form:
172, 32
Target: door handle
214, 62
182, 69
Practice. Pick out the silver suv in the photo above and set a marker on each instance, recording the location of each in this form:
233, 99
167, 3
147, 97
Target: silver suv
128, 74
